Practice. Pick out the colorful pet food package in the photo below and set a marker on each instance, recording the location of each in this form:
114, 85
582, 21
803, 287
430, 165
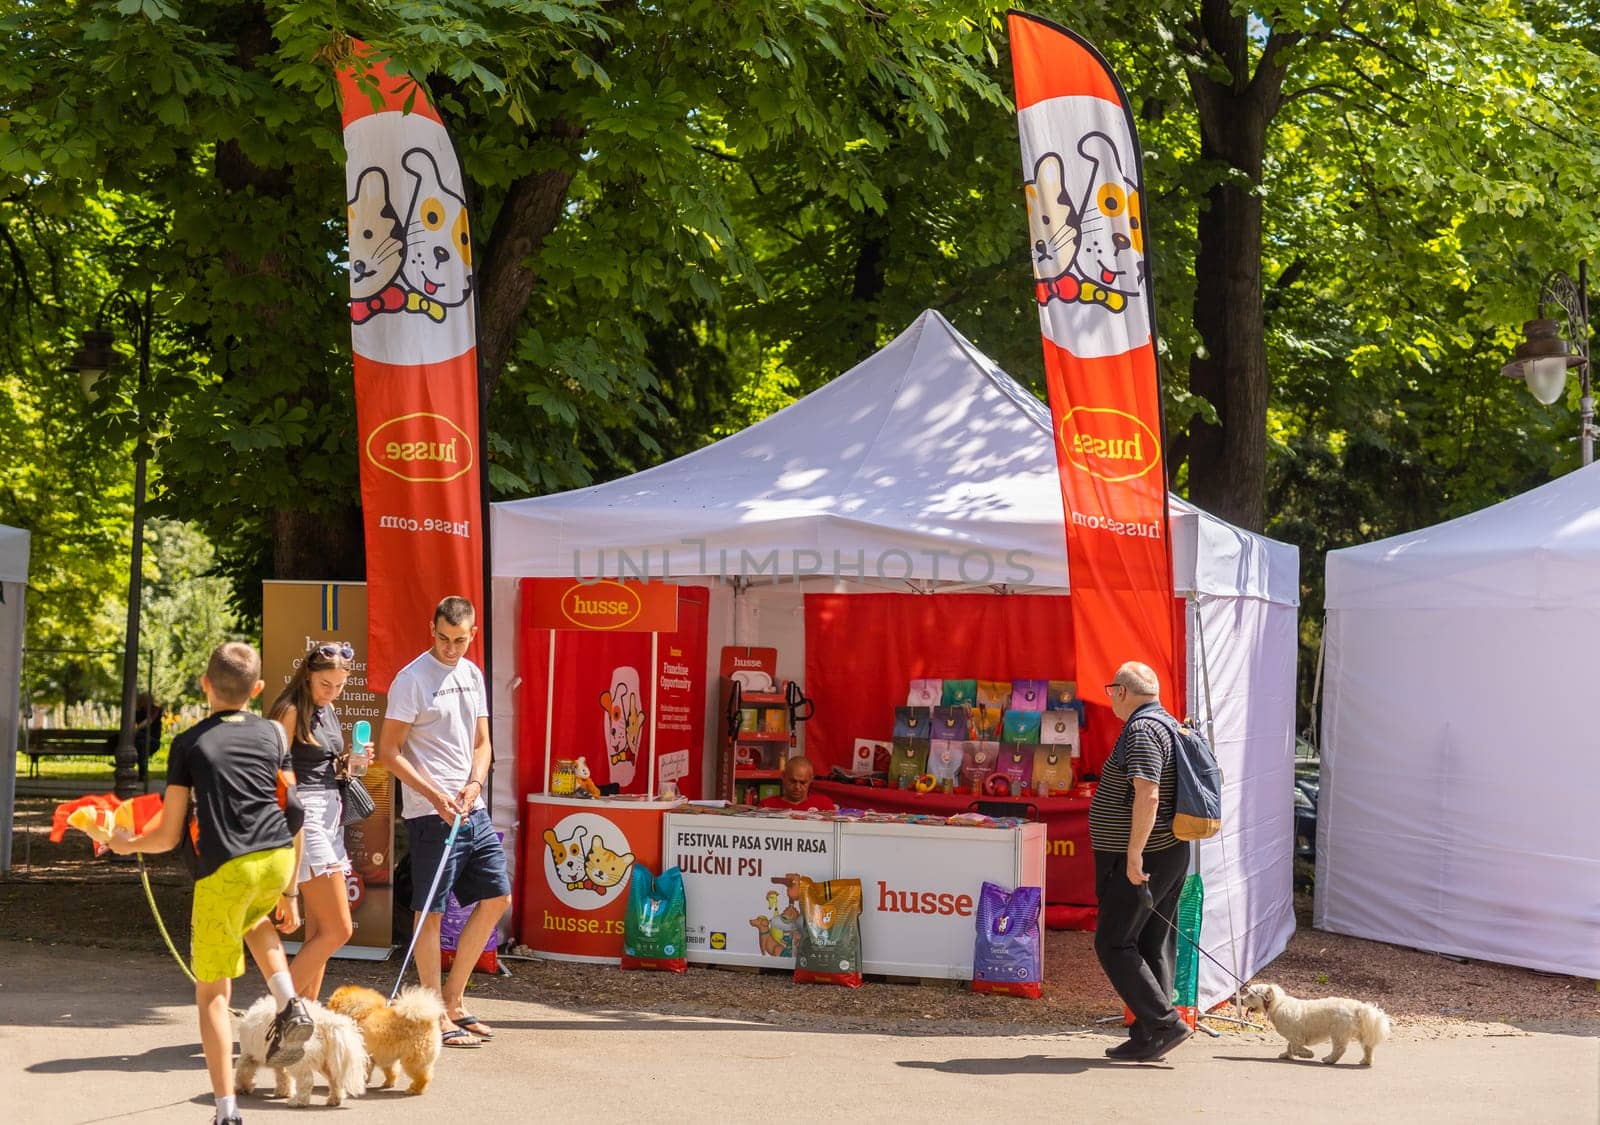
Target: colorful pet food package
654, 928
925, 693
944, 759
977, 763
828, 944
1008, 956
909, 760
913, 722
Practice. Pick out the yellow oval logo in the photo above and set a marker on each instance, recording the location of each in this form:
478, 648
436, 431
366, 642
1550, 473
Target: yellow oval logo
422, 447
1110, 445
601, 605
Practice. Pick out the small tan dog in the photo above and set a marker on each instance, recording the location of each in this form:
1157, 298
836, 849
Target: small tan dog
1335, 1019
333, 1051
402, 1034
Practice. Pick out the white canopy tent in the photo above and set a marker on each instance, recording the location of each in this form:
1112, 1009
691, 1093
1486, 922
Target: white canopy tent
1460, 756
13, 589
927, 467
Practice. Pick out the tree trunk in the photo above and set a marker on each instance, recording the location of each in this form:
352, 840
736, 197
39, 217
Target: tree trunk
532, 207
1228, 462
319, 546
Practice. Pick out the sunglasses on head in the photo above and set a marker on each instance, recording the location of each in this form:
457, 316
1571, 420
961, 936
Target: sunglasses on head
331, 651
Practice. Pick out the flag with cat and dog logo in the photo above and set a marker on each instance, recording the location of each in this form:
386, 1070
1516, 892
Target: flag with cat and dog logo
1084, 191
414, 338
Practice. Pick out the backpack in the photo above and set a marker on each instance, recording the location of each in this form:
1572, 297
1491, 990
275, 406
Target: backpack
1197, 789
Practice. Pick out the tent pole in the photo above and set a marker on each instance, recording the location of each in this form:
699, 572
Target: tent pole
549, 708
655, 707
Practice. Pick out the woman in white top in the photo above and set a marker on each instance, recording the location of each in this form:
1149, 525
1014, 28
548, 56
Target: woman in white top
316, 745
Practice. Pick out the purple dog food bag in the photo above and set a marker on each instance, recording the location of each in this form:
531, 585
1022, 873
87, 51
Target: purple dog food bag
1008, 956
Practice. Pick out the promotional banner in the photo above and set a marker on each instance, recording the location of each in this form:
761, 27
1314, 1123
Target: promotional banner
577, 858
1084, 189
608, 695
414, 339
294, 617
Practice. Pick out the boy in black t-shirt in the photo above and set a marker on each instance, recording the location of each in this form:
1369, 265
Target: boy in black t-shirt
249, 853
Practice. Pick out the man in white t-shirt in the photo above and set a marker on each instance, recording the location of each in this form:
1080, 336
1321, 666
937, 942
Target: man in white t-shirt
435, 740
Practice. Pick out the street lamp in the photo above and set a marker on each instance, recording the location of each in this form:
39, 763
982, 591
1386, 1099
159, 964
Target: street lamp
1543, 358
92, 360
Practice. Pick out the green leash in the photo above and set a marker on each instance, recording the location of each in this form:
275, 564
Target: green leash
150, 897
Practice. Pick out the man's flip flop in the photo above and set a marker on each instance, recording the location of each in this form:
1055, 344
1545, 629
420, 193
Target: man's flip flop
472, 1025
460, 1038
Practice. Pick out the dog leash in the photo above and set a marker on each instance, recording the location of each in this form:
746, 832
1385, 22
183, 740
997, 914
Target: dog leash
150, 897
1148, 902
416, 930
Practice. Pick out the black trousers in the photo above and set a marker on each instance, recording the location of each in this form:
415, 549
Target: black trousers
1137, 950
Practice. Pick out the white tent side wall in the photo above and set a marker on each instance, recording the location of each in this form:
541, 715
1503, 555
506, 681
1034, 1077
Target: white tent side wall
14, 544
1249, 647
1459, 782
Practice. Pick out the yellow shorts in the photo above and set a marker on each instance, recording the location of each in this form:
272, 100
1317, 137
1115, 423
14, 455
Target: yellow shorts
228, 903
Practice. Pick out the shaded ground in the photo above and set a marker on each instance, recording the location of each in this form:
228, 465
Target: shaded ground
68, 897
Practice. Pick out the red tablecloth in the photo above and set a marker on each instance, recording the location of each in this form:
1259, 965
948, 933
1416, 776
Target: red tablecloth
1069, 862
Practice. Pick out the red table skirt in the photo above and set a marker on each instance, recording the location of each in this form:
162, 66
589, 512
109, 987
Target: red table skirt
1069, 862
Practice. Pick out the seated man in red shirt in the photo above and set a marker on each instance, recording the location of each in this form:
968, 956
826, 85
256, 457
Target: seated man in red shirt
798, 774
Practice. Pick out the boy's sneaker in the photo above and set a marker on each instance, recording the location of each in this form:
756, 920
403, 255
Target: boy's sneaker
286, 1038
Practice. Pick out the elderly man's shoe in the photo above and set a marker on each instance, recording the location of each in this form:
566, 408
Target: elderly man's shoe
1126, 1050
1160, 1043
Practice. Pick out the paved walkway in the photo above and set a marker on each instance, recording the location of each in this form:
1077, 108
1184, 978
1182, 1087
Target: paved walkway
100, 1036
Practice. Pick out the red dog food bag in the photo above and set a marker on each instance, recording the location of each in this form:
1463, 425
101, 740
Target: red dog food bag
827, 947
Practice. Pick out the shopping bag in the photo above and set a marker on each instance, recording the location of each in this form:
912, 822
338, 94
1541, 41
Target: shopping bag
653, 929
908, 759
956, 693
944, 759
1052, 771
925, 693
952, 723
1007, 956
1020, 726
1029, 695
913, 722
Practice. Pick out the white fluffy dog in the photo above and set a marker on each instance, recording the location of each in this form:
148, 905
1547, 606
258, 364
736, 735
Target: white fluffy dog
1302, 1022
334, 1051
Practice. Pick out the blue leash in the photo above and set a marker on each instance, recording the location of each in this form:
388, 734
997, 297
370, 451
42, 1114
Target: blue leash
416, 930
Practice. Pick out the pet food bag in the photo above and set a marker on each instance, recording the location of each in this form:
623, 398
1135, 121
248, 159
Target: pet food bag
653, 929
952, 723
1029, 695
913, 722
1007, 956
994, 693
977, 763
1016, 762
1052, 771
828, 944
1020, 726
925, 693
944, 759
985, 722
909, 759
958, 693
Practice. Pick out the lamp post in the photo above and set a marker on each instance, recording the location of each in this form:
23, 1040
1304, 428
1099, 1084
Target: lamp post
1543, 358
92, 360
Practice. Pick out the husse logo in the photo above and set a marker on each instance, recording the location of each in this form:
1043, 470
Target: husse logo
892, 901
420, 447
1110, 445
600, 605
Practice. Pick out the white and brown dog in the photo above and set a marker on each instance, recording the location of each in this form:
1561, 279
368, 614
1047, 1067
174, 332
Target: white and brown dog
1303, 1022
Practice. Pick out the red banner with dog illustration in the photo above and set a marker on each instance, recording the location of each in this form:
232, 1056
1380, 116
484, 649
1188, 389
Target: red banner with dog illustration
1084, 190
414, 338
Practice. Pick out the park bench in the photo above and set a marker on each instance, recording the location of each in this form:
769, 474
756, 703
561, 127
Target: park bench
58, 742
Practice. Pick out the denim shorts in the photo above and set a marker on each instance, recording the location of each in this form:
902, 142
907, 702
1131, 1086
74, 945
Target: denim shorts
474, 870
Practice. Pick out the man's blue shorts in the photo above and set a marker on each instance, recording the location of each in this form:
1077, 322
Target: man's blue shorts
474, 870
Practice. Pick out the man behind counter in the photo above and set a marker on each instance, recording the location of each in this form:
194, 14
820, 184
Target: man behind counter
798, 773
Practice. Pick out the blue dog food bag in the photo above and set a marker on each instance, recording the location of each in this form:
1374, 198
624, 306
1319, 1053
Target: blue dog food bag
1008, 955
